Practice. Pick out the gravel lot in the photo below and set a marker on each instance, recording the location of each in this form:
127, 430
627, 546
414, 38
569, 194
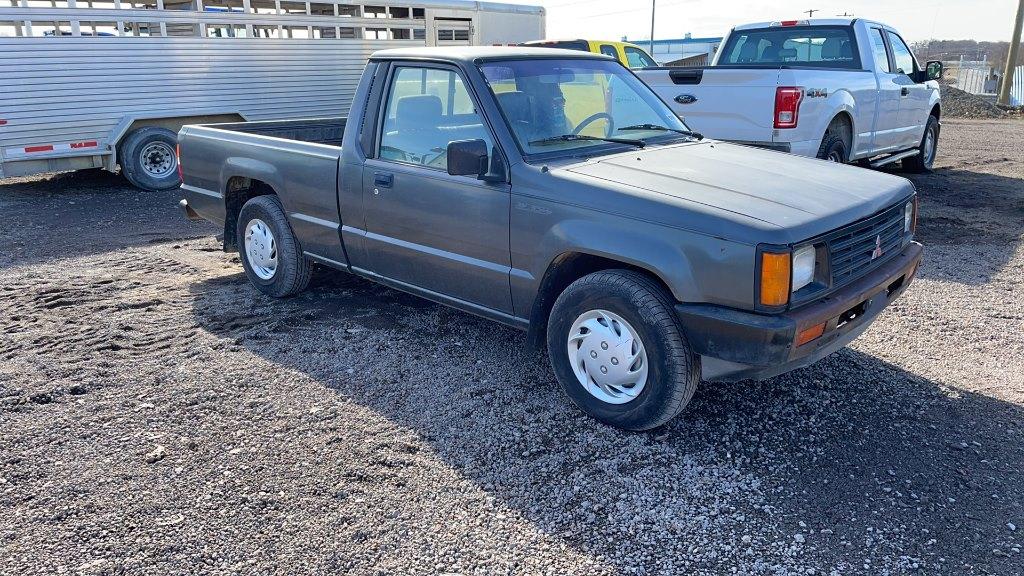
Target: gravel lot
157, 416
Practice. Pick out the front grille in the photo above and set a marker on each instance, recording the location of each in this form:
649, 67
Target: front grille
851, 249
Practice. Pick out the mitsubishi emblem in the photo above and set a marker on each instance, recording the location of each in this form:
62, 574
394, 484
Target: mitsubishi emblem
878, 247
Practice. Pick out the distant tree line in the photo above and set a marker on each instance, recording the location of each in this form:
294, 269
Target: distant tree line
994, 52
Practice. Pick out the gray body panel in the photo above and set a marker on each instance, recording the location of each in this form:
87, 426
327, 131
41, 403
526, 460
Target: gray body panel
691, 213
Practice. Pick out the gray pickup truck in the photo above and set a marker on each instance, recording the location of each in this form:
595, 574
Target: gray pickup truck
554, 192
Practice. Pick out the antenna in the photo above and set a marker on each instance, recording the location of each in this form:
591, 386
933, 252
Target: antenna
810, 13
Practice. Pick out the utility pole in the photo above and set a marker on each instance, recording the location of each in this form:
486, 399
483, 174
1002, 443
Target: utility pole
1011, 58
651, 46
810, 13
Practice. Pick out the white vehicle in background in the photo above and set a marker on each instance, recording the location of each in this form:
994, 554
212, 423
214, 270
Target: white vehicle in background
839, 89
108, 83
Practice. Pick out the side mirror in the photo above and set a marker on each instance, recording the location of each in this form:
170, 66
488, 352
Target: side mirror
933, 70
469, 158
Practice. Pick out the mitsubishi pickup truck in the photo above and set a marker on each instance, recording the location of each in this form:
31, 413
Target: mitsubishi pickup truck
642, 255
843, 89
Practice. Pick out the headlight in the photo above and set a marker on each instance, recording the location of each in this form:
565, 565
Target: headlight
908, 217
803, 267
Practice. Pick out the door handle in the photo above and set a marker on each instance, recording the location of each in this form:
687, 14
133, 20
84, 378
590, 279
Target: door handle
383, 180
904, 91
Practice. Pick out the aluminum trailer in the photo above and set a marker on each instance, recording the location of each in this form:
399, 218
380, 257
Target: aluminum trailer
108, 84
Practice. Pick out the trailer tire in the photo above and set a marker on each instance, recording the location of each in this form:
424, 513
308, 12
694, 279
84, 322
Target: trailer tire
149, 159
271, 254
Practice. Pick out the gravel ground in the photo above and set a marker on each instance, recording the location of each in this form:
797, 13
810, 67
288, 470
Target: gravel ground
160, 417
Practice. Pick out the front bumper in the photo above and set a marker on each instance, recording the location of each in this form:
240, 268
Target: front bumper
738, 345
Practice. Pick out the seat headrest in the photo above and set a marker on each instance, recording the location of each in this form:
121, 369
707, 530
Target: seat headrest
846, 51
418, 112
748, 52
517, 105
831, 48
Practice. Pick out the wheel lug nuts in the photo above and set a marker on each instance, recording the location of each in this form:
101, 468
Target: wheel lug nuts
615, 361
604, 369
593, 353
604, 345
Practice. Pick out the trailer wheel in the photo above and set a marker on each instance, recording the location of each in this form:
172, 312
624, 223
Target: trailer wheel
149, 160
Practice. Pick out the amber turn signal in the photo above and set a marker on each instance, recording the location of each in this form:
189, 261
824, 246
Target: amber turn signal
809, 334
775, 274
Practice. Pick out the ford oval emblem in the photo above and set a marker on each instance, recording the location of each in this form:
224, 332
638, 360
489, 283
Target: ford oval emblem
686, 98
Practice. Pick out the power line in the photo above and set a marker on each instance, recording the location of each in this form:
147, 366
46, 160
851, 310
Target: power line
810, 13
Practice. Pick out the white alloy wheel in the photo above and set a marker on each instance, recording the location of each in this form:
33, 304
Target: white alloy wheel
261, 248
929, 146
607, 356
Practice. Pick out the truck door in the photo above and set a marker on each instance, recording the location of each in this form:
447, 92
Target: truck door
887, 116
914, 97
425, 228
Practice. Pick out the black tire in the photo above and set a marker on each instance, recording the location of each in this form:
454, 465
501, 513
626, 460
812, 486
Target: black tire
834, 147
673, 368
293, 269
159, 169
923, 161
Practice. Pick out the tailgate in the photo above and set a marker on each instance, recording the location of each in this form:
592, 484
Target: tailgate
722, 103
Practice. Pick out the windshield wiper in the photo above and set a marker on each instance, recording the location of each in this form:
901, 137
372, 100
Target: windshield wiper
689, 133
578, 137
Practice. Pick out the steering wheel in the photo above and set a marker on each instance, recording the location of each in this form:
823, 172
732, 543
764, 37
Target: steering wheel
593, 118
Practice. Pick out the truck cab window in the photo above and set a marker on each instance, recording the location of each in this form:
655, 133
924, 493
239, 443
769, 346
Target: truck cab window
900, 53
878, 48
609, 50
426, 109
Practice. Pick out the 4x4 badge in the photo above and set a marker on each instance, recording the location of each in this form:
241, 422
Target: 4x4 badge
878, 247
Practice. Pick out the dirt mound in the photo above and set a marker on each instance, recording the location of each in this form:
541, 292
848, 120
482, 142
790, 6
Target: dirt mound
959, 104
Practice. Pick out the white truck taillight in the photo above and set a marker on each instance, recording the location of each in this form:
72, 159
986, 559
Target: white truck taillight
787, 106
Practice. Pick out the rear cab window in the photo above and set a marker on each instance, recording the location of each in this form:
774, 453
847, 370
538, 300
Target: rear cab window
811, 46
879, 51
580, 45
609, 50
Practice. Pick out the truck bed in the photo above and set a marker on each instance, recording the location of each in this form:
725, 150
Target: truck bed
328, 131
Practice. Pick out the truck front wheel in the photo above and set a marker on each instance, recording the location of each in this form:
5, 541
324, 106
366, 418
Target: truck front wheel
925, 157
270, 253
618, 351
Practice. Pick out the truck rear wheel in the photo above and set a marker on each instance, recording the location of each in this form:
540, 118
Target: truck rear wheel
618, 351
833, 147
270, 253
925, 157
149, 160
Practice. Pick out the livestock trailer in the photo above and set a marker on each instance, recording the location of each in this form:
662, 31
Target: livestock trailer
108, 83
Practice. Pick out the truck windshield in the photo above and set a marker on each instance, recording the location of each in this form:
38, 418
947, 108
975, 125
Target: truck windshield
555, 105
823, 46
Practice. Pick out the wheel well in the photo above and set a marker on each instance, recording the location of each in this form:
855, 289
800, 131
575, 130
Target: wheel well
238, 191
563, 271
936, 111
844, 122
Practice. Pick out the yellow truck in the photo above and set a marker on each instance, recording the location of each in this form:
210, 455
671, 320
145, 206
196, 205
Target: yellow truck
630, 55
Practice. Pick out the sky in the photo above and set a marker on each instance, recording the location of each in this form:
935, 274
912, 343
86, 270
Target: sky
916, 19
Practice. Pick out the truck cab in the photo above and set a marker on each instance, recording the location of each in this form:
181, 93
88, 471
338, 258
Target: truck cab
629, 55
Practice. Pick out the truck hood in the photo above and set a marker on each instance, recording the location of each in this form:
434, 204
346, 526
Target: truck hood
779, 197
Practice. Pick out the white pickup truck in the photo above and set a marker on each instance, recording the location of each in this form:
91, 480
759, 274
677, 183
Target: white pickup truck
839, 89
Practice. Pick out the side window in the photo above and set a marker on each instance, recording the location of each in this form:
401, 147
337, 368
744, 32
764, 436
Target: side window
638, 58
878, 47
901, 54
609, 51
426, 109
